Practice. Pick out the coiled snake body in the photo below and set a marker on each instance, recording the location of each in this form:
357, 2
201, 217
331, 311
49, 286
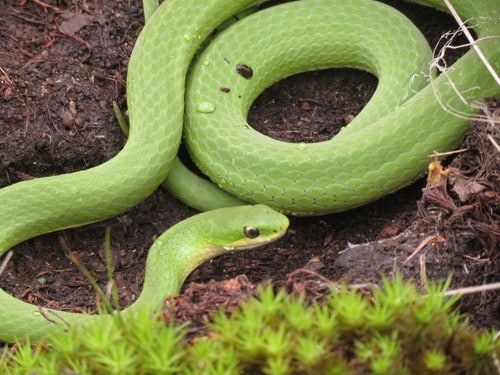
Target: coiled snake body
384, 148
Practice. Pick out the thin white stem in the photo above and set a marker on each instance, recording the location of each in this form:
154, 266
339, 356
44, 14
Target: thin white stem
5, 261
473, 43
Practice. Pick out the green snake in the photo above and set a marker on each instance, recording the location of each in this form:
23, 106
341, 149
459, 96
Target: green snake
172, 257
384, 148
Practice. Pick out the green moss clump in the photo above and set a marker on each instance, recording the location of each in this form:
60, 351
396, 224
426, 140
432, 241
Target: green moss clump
400, 332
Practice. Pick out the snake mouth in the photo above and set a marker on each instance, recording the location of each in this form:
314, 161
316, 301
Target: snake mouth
247, 244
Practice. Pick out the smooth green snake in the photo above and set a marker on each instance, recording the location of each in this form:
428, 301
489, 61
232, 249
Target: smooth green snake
383, 149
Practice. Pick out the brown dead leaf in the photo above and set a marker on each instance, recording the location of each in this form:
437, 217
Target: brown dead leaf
74, 23
465, 188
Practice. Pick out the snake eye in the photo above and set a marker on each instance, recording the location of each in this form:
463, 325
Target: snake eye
251, 232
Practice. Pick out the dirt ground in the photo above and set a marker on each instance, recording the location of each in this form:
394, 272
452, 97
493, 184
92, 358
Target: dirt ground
63, 63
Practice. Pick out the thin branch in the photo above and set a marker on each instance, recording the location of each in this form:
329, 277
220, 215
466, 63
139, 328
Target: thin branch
493, 142
472, 289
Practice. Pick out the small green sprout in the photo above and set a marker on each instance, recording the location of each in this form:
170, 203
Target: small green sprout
434, 360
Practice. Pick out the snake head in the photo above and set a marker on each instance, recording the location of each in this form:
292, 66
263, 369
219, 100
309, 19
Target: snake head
245, 227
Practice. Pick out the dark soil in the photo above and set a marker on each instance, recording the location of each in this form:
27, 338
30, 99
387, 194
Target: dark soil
63, 63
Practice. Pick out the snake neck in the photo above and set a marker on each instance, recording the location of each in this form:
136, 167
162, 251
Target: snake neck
169, 265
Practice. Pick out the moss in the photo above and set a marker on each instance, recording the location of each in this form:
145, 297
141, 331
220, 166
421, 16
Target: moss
399, 332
